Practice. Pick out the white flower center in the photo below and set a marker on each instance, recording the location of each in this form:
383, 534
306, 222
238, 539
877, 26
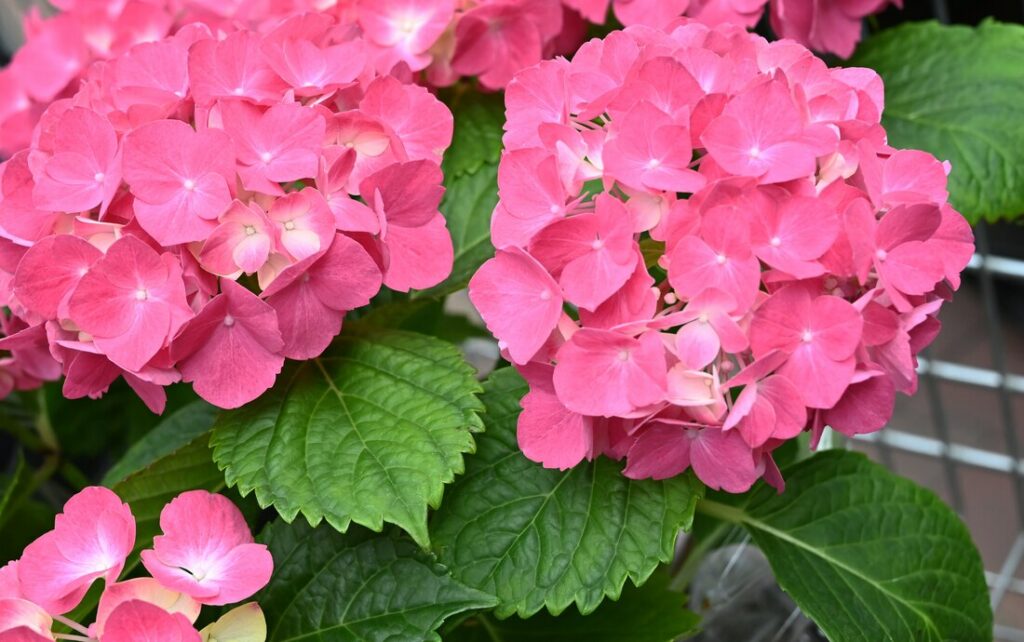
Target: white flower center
776, 241
229, 320
189, 184
141, 294
807, 336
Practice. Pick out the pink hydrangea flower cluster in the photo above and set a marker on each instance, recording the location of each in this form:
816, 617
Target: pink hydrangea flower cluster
204, 208
437, 40
831, 26
205, 556
704, 248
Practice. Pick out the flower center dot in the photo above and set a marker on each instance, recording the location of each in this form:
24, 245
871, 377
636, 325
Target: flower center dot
265, 157
229, 320
98, 177
250, 230
545, 295
623, 355
807, 336
881, 254
141, 294
755, 152
290, 225
721, 258
653, 163
597, 244
776, 241
189, 184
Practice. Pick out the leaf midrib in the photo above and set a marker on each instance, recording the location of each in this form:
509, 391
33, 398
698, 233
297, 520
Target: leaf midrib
752, 522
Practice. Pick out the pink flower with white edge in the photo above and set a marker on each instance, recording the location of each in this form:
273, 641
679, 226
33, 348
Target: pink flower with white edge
756, 263
216, 563
90, 540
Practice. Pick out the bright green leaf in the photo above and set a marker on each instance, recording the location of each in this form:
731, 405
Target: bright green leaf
957, 91
368, 433
357, 587
536, 537
176, 431
866, 554
471, 179
650, 613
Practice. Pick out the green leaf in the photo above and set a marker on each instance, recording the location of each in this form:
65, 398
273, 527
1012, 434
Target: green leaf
176, 431
536, 537
356, 587
368, 433
471, 178
150, 489
650, 613
956, 91
866, 554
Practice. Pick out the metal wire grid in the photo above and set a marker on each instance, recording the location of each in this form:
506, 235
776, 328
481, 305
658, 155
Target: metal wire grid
986, 267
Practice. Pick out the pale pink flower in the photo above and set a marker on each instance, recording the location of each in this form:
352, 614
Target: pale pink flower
91, 539
206, 551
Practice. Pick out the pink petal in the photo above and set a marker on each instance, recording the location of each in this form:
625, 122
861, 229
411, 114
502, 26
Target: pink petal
410, 192
207, 551
820, 380
549, 433
602, 373
724, 461
144, 589
50, 270
231, 350
418, 257
138, 621
16, 613
518, 300
91, 538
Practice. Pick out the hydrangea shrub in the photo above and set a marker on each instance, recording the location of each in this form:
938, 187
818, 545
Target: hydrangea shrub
230, 372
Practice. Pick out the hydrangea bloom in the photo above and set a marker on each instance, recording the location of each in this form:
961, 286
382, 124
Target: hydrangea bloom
704, 248
205, 536
203, 208
437, 41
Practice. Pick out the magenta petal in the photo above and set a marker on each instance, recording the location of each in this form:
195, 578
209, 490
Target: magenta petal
661, 451
865, 407
519, 301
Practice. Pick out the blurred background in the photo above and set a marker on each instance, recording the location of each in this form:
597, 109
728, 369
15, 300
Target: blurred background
962, 435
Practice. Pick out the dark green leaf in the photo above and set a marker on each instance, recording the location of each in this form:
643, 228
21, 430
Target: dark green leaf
357, 587
368, 433
471, 179
14, 488
176, 431
866, 554
536, 537
956, 92
650, 613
